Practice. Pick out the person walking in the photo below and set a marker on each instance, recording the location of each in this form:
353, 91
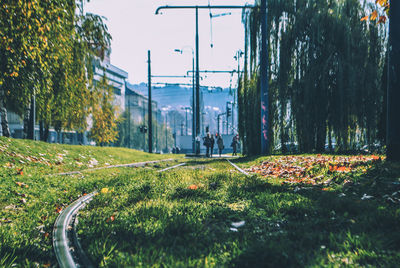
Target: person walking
234, 144
220, 144
212, 141
207, 143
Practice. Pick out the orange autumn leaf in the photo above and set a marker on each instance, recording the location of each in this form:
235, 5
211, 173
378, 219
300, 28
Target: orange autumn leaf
381, 2
21, 184
112, 218
332, 168
20, 171
343, 169
364, 18
382, 19
374, 15
193, 187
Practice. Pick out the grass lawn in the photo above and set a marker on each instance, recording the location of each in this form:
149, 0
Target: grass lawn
320, 211
294, 211
30, 201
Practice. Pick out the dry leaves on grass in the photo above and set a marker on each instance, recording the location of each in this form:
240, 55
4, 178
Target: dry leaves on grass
311, 169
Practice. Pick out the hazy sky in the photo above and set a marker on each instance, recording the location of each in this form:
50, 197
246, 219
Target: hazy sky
136, 29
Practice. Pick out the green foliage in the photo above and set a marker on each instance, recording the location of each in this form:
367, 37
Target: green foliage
325, 71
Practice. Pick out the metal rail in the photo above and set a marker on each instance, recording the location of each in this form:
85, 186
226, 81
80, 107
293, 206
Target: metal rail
65, 249
168, 168
68, 250
139, 164
238, 168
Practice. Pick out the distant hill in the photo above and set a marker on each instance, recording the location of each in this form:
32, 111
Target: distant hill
177, 96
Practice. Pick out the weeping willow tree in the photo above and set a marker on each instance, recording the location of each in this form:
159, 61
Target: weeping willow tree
325, 72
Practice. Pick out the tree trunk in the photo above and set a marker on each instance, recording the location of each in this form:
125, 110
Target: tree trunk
4, 121
26, 123
46, 132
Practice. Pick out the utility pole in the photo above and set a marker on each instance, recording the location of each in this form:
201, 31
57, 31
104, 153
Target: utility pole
150, 110
236, 93
166, 132
197, 101
129, 123
174, 134
197, 77
264, 80
156, 130
393, 91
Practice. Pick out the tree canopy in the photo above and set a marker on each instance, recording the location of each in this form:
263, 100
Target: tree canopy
326, 82
46, 49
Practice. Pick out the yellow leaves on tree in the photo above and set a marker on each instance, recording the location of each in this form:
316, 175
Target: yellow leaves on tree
384, 4
105, 120
374, 15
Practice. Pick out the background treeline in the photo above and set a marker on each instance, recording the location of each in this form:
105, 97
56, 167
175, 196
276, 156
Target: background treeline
327, 82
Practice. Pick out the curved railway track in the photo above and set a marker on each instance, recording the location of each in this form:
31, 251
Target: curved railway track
66, 244
67, 248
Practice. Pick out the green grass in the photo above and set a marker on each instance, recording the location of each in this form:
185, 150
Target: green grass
30, 200
183, 217
156, 220
35, 157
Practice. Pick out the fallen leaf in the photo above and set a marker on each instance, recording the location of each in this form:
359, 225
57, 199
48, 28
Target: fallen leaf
193, 187
20, 172
104, 190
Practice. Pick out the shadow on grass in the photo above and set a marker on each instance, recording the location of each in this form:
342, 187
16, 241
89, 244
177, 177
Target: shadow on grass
338, 227
283, 226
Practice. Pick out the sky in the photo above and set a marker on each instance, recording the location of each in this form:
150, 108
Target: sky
135, 29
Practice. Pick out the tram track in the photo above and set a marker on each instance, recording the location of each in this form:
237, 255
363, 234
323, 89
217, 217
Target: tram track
67, 248
238, 168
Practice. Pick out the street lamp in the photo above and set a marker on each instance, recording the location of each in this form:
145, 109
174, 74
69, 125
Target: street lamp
193, 99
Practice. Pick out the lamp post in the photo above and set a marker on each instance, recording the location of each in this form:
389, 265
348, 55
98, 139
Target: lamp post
194, 121
150, 106
237, 57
